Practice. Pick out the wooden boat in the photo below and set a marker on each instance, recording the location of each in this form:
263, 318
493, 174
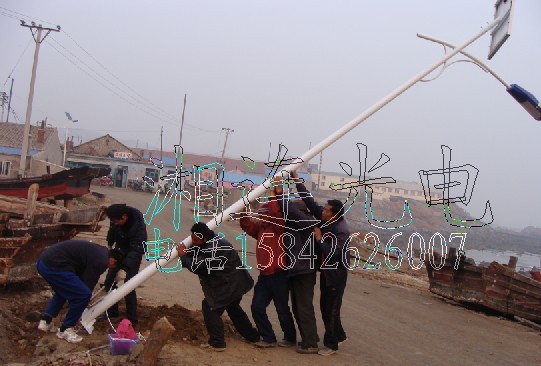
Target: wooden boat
27, 228
67, 184
496, 286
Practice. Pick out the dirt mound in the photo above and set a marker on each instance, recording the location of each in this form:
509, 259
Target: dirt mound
189, 325
20, 310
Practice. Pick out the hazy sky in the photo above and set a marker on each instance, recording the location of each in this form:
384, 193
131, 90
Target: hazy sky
290, 72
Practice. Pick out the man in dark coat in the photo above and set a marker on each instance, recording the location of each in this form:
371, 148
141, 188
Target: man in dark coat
332, 236
223, 281
72, 268
302, 268
129, 233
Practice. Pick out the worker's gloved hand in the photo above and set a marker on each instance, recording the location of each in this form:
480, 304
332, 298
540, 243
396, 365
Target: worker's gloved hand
115, 256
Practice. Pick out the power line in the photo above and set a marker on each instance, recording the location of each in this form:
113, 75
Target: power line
143, 101
9, 15
118, 79
24, 15
17, 63
108, 88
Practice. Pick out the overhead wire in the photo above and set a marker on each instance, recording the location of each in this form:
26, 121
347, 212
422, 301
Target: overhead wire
24, 15
151, 109
142, 101
17, 63
114, 76
109, 88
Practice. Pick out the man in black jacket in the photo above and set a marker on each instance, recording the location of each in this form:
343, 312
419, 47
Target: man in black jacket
332, 236
224, 283
72, 268
301, 268
128, 230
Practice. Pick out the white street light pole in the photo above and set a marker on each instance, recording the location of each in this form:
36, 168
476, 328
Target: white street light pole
92, 312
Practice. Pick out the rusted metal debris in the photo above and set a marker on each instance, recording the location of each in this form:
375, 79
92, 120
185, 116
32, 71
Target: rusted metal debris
496, 286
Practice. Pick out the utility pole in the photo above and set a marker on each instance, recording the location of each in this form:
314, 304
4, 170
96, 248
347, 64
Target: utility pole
3, 99
10, 94
36, 34
66, 137
227, 132
182, 122
319, 172
161, 145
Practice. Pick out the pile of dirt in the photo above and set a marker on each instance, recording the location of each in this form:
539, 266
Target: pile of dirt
20, 310
189, 325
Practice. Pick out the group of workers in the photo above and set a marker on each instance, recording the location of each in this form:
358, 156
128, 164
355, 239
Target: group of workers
295, 240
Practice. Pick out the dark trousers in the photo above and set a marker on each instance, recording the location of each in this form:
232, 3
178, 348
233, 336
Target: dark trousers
273, 287
67, 286
302, 297
330, 303
215, 324
131, 298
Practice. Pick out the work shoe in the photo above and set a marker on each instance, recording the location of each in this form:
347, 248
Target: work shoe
307, 350
326, 351
286, 343
43, 326
343, 341
210, 347
263, 344
69, 335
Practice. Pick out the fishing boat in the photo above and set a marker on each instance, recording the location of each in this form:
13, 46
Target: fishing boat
66, 184
495, 286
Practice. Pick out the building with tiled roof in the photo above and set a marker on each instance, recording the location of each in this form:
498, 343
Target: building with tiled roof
44, 153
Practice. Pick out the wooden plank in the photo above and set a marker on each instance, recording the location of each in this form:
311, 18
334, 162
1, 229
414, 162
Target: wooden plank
160, 334
31, 204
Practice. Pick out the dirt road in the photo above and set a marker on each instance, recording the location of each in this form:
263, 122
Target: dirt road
386, 323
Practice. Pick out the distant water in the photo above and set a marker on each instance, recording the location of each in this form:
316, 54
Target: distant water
526, 261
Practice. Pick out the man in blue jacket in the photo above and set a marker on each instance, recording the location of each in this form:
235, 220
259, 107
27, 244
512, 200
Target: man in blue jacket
128, 232
332, 235
72, 268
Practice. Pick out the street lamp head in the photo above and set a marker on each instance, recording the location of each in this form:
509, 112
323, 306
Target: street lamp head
23, 22
33, 23
58, 27
527, 100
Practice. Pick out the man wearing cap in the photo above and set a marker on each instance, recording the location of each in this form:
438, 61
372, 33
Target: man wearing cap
272, 284
223, 281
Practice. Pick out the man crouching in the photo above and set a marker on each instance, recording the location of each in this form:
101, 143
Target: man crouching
215, 261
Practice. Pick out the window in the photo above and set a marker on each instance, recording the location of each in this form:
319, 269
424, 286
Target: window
323, 177
396, 190
341, 179
5, 167
323, 184
153, 173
